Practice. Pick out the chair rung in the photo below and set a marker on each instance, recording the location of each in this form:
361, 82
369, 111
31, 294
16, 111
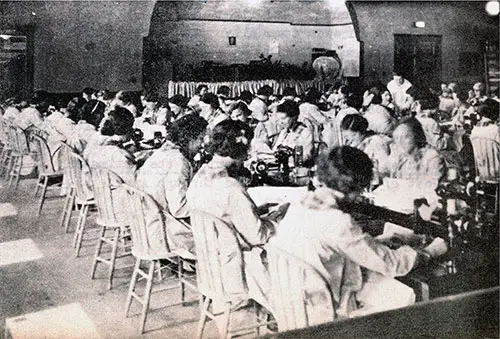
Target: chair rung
105, 261
142, 274
138, 297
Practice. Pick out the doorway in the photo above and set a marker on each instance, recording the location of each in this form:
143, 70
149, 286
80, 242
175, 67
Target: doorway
418, 57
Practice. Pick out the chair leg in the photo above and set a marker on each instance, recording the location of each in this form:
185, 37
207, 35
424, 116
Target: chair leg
116, 236
37, 188
44, 192
67, 200
18, 173
12, 169
69, 211
131, 288
204, 306
226, 321
147, 295
98, 251
81, 228
180, 269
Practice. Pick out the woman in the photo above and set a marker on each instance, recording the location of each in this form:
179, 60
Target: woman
125, 99
411, 156
85, 131
211, 111
195, 100
319, 231
109, 152
215, 190
292, 132
166, 176
379, 117
355, 134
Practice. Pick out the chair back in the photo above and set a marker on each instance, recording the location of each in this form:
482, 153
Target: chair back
18, 141
104, 182
147, 225
486, 158
74, 167
216, 262
293, 304
45, 159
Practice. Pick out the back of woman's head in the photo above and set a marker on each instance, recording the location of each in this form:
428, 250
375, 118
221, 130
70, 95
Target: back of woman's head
265, 90
224, 91
74, 108
119, 122
211, 99
289, 92
230, 138
185, 129
246, 96
377, 95
291, 108
355, 123
125, 96
345, 169
200, 88
93, 112
415, 127
312, 95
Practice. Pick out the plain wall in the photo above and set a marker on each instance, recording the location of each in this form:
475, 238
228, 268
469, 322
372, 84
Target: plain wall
82, 43
464, 27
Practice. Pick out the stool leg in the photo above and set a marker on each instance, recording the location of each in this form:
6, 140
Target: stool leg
131, 288
97, 251
113, 257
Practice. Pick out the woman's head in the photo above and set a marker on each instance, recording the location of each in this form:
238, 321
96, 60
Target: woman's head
187, 133
74, 108
287, 113
124, 98
312, 96
230, 138
354, 128
345, 169
239, 111
209, 102
93, 112
409, 135
118, 122
201, 89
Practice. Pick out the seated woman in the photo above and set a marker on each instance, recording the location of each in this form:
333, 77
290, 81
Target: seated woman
85, 131
125, 99
319, 231
379, 117
195, 99
110, 154
488, 126
293, 133
167, 173
411, 156
355, 134
215, 190
211, 111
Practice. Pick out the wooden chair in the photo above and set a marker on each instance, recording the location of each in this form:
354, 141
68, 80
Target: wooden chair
487, 163
206, 229
149, 248
290, 305
78, 197
6, 149
104, 183
19, 149
46, 168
